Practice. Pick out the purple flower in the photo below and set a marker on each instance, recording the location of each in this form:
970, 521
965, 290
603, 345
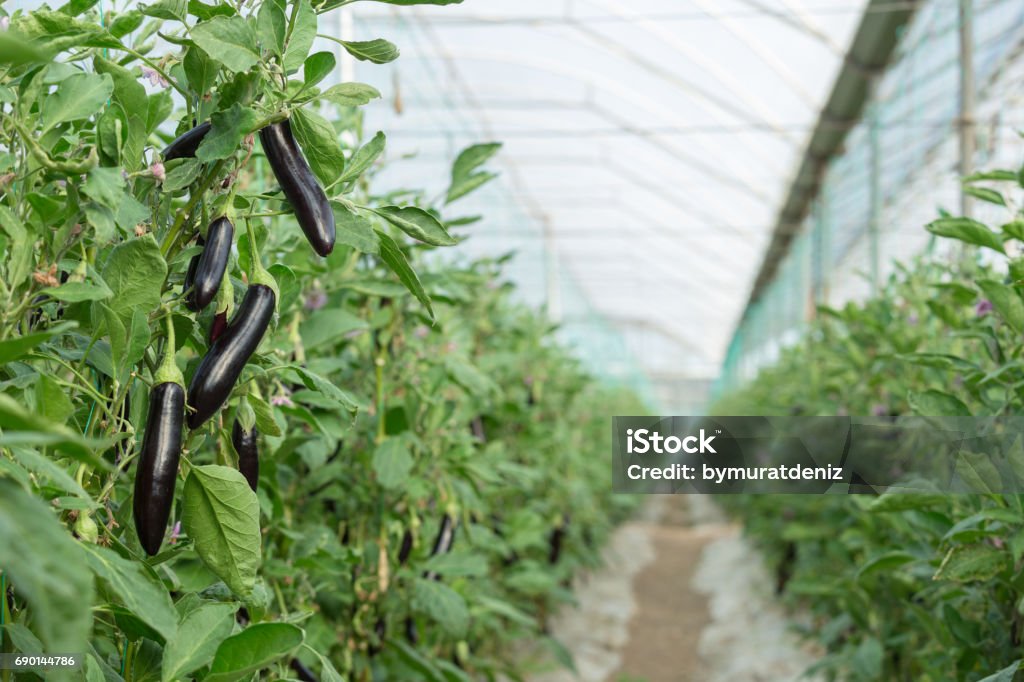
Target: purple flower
315, 300
913, 319
157, 169
175, 532
879, 410
154, 77
983, 307
5, 23
279, 400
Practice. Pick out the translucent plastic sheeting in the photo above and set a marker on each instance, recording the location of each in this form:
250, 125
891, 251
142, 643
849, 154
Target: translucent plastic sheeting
647, 146
911, 123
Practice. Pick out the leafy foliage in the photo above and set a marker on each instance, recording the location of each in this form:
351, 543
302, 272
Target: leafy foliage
388, 393
904, 586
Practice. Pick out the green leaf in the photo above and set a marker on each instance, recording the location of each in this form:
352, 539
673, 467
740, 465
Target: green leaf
45, 564
378, 51
253, 649
351, 94
271, 25
18, 346
354, 230
200, 70
328, 325
315, 382
265, 422
15, 51
443, 604
392, 255
986, 194
885, 562
1007, 674
1006, 301
392, 462
465, 177
221, 515
78, 96
417, 223
227, 130
417, 661
319, 142
135, 273
967, 230
363, 158
229, 40
143, 597
302, 37
105, 185
52, 400
20, 247
968, 563
20, 426
182, 175
317, 67
976, 472
167, 9
199, 634
457, 565
932, 403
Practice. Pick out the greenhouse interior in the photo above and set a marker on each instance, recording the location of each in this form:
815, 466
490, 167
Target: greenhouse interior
512, 340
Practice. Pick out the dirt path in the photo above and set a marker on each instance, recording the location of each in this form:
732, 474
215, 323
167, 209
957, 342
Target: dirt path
682, 598
665, 631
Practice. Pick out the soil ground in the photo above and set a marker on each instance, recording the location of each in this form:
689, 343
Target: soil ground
682, 598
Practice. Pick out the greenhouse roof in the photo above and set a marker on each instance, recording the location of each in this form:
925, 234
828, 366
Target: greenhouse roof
648, 148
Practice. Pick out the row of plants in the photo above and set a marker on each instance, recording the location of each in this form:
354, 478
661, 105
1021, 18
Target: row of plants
903, 586
252, 424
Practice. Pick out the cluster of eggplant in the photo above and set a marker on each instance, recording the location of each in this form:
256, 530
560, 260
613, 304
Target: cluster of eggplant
232, 342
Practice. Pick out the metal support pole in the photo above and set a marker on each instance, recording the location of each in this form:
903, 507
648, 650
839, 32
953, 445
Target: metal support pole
967, 93
875, 196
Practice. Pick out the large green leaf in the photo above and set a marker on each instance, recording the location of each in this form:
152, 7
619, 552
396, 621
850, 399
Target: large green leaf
378, 51
135, 273
227, 130
1006, 301
351, 94
417, 223
253, 649
320, 144
18, 346
221, 515
146, 599
301, 39
465, 176
392, 255
967, 230
354, 230
932, 403
968, 563
392, 462
199, 634
443, 604
229, 40
20, 426
44, 565
363, 158
78, 96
